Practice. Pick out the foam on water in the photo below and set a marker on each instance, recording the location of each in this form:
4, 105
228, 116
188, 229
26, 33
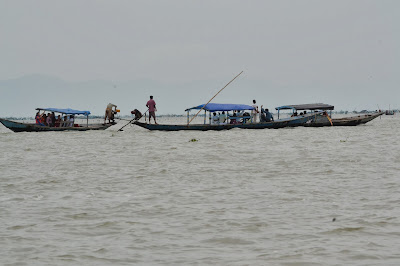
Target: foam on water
293, 196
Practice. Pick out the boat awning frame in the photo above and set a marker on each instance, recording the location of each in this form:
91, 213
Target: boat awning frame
217, 107
312, 106
66, 111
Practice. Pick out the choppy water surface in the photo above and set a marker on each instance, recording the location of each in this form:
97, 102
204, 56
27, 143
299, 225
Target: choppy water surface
238, 197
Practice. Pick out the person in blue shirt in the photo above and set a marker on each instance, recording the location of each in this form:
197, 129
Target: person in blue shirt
266, 116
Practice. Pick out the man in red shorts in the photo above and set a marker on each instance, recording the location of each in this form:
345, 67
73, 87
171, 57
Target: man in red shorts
151, 104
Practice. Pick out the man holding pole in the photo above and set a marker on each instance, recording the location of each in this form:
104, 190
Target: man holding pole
151, 104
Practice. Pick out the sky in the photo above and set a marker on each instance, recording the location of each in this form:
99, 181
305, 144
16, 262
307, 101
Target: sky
342, 52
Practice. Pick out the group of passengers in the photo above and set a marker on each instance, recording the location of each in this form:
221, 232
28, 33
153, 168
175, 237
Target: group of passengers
296, 114
265, 115
50, 120
219, 119
237, 117
240, 116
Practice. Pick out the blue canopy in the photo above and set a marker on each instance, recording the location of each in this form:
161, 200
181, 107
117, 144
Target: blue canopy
67, 111
213, 107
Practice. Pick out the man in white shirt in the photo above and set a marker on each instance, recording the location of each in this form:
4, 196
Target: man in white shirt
222, 118
254, 112
215, 119
71, 120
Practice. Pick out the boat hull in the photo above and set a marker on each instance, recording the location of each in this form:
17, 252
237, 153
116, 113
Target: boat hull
346, 121
25, 127
289, 122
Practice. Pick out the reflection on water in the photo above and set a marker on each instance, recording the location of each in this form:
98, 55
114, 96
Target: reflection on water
301, 196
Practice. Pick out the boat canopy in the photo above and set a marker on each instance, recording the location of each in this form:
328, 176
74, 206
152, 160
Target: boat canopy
67, 111
312, 106
213, 107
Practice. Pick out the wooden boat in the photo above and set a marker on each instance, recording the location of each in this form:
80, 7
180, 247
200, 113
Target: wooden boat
246, 123
353, 120
325, 119
32, 127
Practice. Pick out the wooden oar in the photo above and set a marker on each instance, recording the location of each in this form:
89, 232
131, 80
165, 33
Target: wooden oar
132, 120
214, 96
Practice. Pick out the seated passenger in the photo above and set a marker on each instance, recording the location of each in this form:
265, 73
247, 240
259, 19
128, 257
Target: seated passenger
58, 121
71, 120
267, 115
233, 121
215, 119
263, 118
245, 120
43, 119
48, 120
222, 118
38, 119
65, 122
53, 119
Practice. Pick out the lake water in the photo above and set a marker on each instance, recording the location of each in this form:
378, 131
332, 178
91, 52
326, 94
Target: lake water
292, 196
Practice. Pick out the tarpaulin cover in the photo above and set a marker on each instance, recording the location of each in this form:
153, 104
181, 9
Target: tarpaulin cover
213, 107
67, 111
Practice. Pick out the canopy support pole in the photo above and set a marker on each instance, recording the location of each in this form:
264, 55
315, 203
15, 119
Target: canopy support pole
188, 117
205, 116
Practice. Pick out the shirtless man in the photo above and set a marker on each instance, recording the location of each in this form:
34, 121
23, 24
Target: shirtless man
110, 112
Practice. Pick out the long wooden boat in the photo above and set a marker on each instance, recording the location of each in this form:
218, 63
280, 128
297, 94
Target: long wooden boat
346, 121
281, 123
325, 119
33, 127
204, 127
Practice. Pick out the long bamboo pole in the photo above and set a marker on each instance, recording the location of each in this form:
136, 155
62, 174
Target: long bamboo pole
214, 96
132, 120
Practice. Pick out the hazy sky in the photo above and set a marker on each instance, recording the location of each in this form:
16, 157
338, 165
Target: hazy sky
349, 49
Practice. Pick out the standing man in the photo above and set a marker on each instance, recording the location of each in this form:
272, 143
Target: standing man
254, 112
151, 104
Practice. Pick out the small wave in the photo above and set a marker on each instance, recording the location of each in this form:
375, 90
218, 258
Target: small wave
18, 227
229, 241
344, 230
